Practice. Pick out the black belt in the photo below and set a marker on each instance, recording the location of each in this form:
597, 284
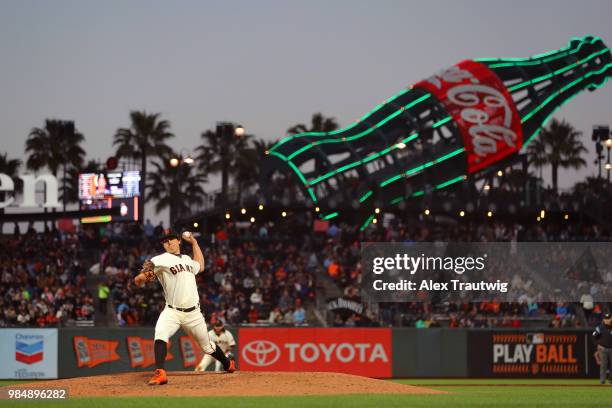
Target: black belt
180, 309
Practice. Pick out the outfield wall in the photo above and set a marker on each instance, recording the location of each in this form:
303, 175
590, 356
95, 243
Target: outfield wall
374, 352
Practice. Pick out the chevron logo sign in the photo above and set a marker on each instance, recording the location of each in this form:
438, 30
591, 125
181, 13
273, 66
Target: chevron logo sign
29, 348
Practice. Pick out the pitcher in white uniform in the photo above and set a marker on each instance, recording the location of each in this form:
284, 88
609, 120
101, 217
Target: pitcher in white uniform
176, 273
223, 339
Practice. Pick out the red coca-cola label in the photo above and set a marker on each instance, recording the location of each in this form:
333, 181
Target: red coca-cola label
483, 109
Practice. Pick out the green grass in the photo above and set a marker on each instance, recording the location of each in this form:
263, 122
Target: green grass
462, 393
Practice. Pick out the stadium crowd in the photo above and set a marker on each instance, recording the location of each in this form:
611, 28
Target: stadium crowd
262, 274
43, 280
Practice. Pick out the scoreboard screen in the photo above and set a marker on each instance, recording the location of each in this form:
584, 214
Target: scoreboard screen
98, 186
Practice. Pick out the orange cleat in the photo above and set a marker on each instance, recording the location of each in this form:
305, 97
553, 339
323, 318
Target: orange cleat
232, 366
159, 378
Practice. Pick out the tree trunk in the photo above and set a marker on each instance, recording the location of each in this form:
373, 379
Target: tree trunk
143, 186
555, 175
64, 185
224, 181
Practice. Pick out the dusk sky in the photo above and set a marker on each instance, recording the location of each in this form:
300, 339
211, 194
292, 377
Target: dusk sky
264, 64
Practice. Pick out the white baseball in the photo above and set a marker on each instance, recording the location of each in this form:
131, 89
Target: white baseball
186, 234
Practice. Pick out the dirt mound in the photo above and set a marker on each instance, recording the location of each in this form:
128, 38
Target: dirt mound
221, 384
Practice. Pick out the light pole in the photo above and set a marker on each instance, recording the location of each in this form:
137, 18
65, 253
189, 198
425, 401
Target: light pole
180, 165
227, 134
601, 134
609, 164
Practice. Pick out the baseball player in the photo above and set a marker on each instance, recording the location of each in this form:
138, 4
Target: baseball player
222, 338
603, 336
176, 273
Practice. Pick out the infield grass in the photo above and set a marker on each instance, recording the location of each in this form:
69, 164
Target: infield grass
462, 394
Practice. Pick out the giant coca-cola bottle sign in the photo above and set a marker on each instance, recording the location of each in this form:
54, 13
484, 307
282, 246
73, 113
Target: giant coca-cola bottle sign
483, 109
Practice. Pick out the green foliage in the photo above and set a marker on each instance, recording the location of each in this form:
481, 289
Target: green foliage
557, 146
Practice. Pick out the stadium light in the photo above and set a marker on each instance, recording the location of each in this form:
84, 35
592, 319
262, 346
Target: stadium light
427, 211
227, 216
487, 187
542, 214
500, 173
317, 209
252, 219
609, 143
174, 162
196, 225
260, 207
239, 131
490, 214
374, 221
462, 213
243, 211
377, 211
188, 160
566, 217
539, 219
608, 166
284, 214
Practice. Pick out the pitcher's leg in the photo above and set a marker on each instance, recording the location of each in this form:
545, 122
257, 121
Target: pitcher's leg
167, 324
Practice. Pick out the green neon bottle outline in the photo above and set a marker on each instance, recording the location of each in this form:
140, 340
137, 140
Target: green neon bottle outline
539, 59
419, 193
330, 216
544, 54
557, 93
376, 155
387, 150
422, 167
557, 72
363, 133
365, 196
346, 129
366, 223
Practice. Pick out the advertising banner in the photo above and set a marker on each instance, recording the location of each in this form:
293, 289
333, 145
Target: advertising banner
28, 353
531, 354
96, 351
364, 352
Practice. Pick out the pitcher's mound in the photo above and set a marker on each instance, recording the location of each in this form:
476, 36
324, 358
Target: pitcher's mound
244, 383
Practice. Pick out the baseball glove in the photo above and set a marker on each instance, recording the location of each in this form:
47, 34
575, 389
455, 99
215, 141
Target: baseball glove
148, 268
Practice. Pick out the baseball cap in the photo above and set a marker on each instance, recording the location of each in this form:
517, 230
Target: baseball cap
218, 323
607, 316
168, 235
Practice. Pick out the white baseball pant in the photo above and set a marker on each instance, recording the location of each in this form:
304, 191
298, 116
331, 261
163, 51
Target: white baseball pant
193, 323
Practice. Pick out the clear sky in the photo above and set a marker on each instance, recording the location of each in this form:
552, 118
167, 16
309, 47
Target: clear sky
264, 64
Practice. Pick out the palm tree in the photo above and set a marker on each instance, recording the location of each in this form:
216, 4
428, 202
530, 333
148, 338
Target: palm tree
318, 123
146, 138
176, 188
57, 145
558, 145
10, 167
246, 170
220, 152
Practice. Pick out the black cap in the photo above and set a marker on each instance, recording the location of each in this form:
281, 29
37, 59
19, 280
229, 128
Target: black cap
607, 316
168, 235
218, 323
